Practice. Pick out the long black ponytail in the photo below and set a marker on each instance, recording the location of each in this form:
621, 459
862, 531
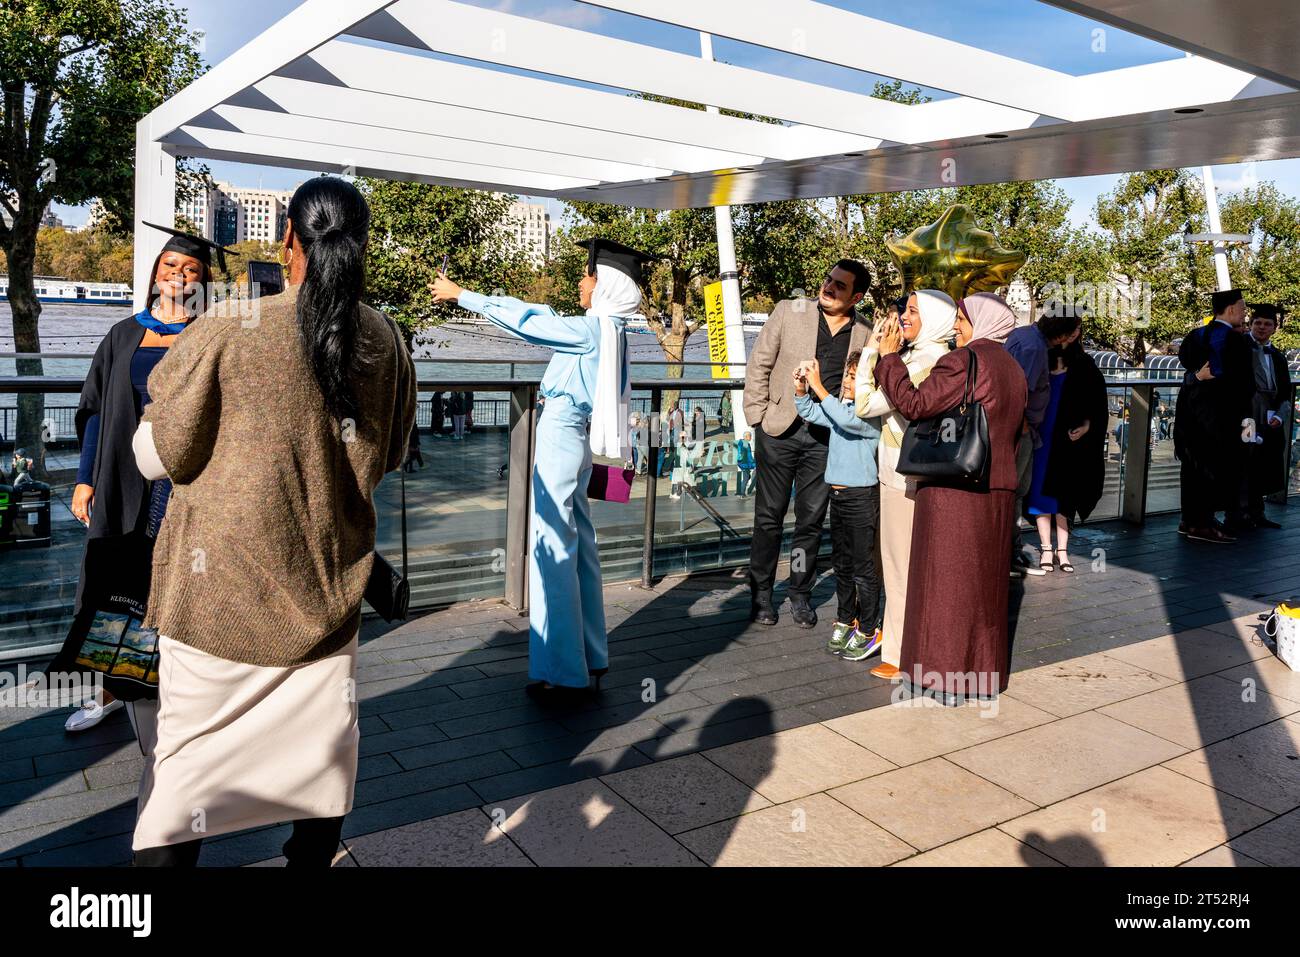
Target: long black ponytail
332, 222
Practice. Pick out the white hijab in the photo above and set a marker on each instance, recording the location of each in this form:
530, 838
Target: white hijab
616, 297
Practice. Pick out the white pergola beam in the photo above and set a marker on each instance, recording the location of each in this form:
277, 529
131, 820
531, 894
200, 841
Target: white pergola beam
840, 37
412, 77
225, 144
301, 30
354, 133
155, 201
489, 36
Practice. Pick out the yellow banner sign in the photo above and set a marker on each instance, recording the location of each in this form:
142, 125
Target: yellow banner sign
713, 313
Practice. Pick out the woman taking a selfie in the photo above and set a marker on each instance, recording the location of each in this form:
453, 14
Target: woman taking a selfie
586, 384
259, 604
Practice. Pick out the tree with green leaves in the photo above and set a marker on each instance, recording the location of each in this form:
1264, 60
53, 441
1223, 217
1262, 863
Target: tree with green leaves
1162, 280
1032, 217
76, 76
686, 244
413, 225
1268, 268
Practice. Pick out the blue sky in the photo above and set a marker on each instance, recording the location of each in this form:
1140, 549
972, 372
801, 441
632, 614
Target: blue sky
1024, 29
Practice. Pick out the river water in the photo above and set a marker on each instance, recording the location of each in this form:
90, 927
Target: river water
450, 353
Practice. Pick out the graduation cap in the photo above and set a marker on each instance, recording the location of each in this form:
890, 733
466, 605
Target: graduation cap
1220, 301
196, 246
606, 252
1266, 310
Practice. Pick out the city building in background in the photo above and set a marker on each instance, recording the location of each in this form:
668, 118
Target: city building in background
229, 214
529, 224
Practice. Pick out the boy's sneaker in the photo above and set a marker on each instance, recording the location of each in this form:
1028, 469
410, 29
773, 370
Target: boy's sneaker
840, 636
861, 646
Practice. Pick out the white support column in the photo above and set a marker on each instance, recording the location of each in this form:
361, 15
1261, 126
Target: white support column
155, 200
1216, 228
733, 318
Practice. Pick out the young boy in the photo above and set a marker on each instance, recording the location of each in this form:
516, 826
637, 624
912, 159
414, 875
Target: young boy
855, 506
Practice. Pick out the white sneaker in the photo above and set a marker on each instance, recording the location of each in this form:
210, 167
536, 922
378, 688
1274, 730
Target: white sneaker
90, 714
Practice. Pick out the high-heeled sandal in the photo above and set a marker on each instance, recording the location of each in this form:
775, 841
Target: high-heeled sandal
1065, 564
1045, 559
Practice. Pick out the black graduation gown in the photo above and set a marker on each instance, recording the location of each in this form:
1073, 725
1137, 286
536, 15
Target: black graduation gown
116, 563
1207, 420
1076, 471
1268, 461
121, 492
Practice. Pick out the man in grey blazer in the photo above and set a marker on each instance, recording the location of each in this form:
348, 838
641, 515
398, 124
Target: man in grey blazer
789, 452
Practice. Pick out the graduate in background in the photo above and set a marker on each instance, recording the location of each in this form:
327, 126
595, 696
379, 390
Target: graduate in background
1209, 422
586, 382
1271, 410
120, 508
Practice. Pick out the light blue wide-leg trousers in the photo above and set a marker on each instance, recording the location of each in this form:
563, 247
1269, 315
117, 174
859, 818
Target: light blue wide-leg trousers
567, 637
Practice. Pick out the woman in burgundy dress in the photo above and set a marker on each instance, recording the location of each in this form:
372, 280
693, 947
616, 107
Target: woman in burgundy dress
955, 629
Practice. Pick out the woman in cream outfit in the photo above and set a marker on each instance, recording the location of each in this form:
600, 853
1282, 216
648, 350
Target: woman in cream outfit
927, 326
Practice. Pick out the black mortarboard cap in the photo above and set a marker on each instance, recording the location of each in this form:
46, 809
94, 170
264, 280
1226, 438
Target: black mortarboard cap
196, 246
1220, 301
606, 252
1265, 310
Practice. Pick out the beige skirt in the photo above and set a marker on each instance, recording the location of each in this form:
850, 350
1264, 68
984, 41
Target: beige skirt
241, 746
896, 512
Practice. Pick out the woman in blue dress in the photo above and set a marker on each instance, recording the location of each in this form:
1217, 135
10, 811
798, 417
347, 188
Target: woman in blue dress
1044, 508
586, 389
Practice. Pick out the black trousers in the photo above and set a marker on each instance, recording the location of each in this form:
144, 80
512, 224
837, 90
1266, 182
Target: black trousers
1199, 498
795, 460
855, 516
313, 844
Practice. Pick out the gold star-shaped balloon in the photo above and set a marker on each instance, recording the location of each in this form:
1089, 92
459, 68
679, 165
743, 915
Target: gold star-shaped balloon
954, 255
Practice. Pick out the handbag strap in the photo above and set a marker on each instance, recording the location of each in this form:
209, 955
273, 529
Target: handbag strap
401, 346
968, 394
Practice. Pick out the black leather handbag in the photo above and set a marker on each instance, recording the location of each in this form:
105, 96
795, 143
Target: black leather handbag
953, 445
387, 590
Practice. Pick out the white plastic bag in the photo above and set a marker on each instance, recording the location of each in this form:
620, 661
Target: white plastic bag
1284, 626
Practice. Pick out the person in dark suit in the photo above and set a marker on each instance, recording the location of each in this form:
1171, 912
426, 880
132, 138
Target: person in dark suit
1214, 404
1271, 410
789, 452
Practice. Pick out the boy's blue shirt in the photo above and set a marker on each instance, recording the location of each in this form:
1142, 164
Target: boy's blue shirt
851, 459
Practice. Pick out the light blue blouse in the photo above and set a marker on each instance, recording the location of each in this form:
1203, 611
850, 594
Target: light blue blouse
575, 340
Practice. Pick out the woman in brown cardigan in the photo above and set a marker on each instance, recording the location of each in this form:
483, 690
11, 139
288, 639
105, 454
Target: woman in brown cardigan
955, 627
275, 430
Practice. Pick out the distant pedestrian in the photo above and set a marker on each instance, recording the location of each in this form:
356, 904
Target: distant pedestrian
457, 408
745, 464
438, 421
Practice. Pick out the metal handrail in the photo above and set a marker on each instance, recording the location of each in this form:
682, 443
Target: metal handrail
35, 385
522, 434
456, 359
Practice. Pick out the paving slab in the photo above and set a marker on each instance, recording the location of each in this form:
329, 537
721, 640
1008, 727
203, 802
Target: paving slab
991, 848
585, 824
1154, 818
931, 803
798, 762
814, 831
1050, 762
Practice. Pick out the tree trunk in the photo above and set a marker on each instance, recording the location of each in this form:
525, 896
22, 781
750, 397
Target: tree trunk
26, 311
674, 346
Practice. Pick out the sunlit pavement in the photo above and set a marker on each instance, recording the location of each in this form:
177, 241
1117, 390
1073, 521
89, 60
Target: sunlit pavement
1146, 722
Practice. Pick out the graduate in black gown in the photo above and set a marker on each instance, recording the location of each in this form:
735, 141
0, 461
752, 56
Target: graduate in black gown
119, 507
1213, 405
1271, 410
1076, 464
